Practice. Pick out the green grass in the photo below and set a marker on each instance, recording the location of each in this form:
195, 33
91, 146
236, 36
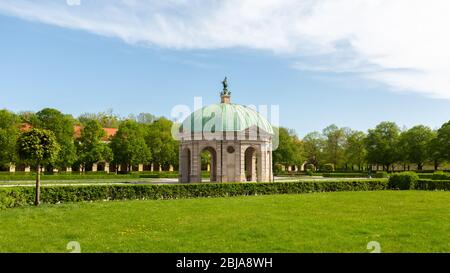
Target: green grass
407, 221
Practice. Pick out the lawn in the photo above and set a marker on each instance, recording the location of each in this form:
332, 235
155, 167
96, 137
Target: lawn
407, 221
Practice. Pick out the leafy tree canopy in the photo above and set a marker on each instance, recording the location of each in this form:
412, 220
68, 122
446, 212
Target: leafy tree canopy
37, 147
414, 145
129, 146
382, 144
62, 127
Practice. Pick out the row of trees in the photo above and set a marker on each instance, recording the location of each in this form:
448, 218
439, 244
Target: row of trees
385, 145
143, 139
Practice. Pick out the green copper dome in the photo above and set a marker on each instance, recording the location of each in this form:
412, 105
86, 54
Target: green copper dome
225, 117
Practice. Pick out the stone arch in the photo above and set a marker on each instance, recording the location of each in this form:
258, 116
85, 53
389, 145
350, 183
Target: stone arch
214, 165
186, 165
252, 164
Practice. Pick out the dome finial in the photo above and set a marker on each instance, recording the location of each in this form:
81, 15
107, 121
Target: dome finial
225, 95
225, 84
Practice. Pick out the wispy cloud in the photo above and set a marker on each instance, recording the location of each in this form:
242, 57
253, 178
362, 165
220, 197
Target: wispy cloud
401, 43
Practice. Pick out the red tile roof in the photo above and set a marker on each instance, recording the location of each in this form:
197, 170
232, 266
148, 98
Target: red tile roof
77, 131
110, 132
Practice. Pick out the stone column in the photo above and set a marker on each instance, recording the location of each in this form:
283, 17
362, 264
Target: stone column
94, 167
106, 167
171, 169
141, 168
152, 167
27, 169
256, 168
12, 168
69, 169
242, 165
196, 164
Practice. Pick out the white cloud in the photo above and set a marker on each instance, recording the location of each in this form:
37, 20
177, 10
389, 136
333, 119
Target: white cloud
402, 43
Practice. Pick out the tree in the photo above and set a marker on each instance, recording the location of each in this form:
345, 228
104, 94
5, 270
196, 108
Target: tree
106, 119
146, 118
62, 127
9, 132
129, 146
38, 147
164, 148
90, 147
313, 144
289, 150
415, 144
382, 144
434, 150
354, 149
443, 142
334, 145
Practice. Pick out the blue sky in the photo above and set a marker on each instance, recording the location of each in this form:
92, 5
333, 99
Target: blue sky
50, 63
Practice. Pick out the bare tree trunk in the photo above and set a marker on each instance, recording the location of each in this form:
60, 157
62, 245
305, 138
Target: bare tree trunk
37, 200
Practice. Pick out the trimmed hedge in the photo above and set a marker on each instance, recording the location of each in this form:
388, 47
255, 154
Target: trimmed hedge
440, 176
403, 181
345, 175
327, 168
425, 175
381, 175
20, 196
433, 185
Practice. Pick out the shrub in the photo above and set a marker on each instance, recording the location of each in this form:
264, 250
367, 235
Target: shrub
327, 168
19, 196
425, 175
310, 167
16, 197
345, 175
381, 175
433, 185
278, 169
403, 181
310, 172
440, 176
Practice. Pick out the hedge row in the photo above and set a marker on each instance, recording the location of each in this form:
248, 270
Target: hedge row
412, 181
20, 196
345, 175
440, 176
356, 175
433, 185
